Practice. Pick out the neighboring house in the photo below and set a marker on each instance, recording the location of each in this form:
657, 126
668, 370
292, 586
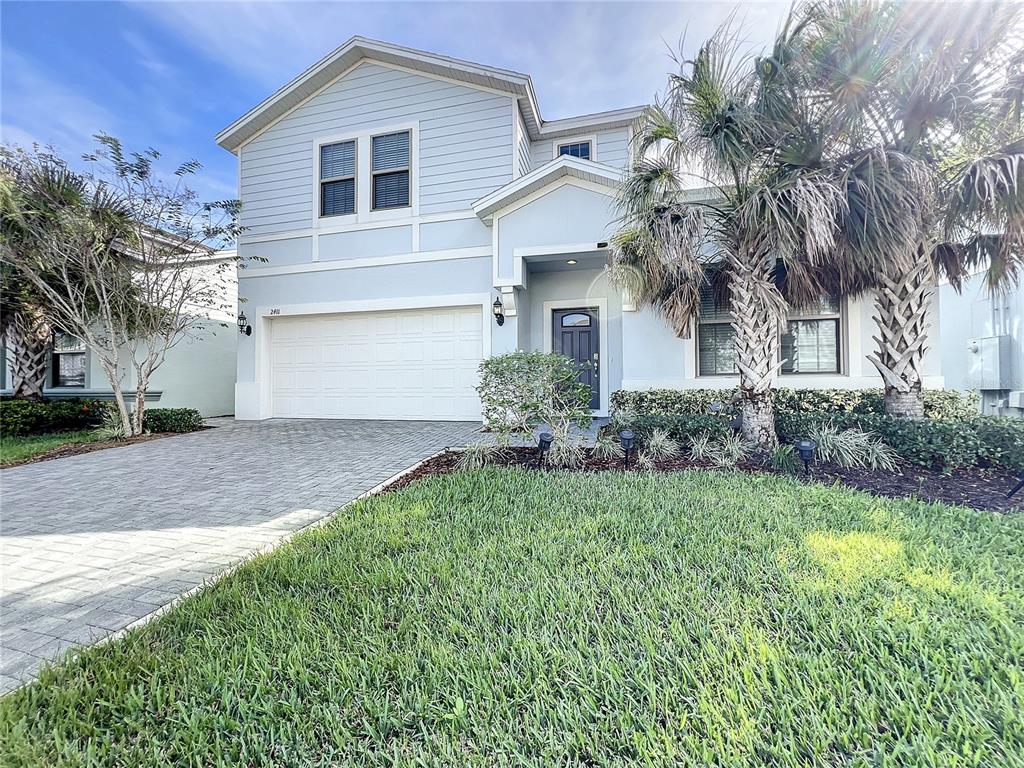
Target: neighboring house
981, 338
199, 371
397, 195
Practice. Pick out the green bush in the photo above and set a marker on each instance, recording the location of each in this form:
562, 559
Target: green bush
944, 444
938, 404
27, 417
681, 428
172, 420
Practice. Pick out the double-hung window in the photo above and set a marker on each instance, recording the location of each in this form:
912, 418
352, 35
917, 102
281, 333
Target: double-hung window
716, 355
338, 178
68, 368
390, 170
811, 341
580, 149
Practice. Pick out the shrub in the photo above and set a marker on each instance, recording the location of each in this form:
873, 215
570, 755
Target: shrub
730, 450
27, 417
984, 441
172, 420
607, 447
681, 428
852, 447
659, 445
700, 447
476, 455
521, 390
783, 459
938, 404
566, 453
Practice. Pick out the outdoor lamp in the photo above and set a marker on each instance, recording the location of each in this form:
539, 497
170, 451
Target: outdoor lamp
1017, 487
544, 440
626, 439
243, 324
806, 448
499, 311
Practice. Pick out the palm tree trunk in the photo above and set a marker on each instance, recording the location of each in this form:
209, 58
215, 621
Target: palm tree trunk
901, 308
28, 340
756, 309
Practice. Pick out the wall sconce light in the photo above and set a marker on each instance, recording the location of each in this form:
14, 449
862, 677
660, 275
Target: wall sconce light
243, 324
544, 440
626, 440
499, 311
806, 448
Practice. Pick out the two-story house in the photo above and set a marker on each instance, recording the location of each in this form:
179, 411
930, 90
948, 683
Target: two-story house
418, 214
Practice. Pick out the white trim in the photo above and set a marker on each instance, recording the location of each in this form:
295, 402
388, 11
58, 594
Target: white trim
294, 234
364, 214
475, 252
600, 176
261, 391
602, 324
557, 144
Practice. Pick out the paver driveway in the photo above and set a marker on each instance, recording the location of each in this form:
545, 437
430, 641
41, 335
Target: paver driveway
92, 543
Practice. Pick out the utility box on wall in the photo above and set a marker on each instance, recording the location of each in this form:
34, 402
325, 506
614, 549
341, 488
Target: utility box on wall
989, 363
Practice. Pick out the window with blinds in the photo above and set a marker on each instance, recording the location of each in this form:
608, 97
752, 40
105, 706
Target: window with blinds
338, 178
811, 341
68, 363
390, 170
580, 149
716, 355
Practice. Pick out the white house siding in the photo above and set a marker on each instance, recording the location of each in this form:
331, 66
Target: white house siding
972, 314
365, 243
612, 147
465, 144
522, 148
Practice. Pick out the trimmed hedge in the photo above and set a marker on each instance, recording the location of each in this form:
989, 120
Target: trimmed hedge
943, 444
172, 420
29, 417
938, 404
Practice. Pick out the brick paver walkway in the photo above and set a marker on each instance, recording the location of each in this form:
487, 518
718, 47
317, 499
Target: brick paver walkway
91, 543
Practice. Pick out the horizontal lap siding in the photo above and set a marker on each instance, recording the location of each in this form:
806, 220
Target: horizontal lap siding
465, 143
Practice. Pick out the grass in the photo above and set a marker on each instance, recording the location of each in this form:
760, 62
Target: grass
14, 449
513, 617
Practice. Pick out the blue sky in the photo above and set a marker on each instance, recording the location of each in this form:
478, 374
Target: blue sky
172, 74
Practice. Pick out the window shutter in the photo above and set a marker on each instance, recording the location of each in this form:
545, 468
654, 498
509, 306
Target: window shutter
391, 151
338, 160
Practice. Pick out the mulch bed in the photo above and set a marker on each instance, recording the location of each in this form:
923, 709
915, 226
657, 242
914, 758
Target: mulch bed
977, 488
74, 449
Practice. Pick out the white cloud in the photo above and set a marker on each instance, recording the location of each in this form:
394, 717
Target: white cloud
583, 57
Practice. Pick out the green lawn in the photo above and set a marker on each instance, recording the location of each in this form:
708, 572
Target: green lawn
512, 617
20, 448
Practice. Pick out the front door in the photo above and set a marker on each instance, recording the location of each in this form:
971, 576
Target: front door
575, 335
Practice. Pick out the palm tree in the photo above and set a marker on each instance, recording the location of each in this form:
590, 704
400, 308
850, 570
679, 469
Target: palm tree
739, 126
925, 105
27, 334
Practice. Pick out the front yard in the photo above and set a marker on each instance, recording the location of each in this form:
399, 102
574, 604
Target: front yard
16, 449
516, 617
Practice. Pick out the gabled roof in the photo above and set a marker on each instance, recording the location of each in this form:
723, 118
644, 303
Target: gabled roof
539, 178
357, 48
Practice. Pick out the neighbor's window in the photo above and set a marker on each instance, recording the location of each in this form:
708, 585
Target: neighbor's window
390, 169
68, 360
811, 341
338, 178
715, 353
579, 149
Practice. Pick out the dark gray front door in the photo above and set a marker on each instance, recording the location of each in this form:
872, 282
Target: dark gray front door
575, 335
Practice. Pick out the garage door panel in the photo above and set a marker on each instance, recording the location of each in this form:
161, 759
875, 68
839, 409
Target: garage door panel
415, 364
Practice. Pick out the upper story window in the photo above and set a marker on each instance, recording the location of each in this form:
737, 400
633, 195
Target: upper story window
68, 369
580, 149
810, 344
390, 169
338, 178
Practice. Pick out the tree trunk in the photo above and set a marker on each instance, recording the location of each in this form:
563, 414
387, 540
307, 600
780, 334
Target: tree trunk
756, 309
139, 414
901, 308
28, 339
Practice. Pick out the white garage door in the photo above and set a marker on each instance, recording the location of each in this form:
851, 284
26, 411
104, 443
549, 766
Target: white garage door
410, 364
